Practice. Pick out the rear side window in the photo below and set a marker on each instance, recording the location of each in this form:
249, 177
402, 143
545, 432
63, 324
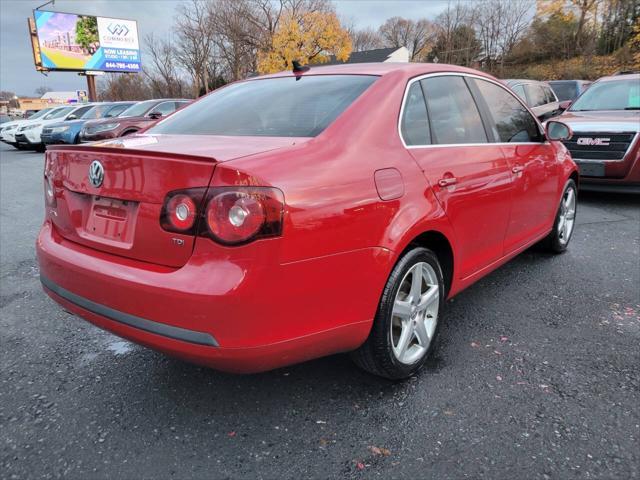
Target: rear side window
270, 107
452, 111
565, 90
164, 108
536, 95
519, 90
415, 125
511, 121
117, 110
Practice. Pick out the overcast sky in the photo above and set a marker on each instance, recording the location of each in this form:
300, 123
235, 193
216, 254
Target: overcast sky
17, 73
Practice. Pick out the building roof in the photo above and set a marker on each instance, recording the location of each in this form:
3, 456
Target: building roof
366, 56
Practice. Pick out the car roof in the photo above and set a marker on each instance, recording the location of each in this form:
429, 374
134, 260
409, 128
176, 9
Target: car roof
380, 69
623, 76
516, 81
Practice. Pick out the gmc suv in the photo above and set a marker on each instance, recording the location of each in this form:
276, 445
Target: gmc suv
605, 121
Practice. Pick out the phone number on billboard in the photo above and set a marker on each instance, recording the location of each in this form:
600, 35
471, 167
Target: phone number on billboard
122, 66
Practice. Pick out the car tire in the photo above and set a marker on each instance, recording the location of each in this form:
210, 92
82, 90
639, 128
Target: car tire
564, 224
400, 308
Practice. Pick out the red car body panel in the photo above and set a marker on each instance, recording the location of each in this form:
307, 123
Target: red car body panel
355, 198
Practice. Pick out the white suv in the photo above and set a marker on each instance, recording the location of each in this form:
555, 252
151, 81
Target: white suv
28, 135
8, 130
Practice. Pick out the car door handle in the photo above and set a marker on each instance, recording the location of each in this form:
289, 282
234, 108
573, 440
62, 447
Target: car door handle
445, 182
517, 169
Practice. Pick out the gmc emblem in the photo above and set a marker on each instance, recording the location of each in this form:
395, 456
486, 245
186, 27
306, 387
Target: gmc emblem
602, 142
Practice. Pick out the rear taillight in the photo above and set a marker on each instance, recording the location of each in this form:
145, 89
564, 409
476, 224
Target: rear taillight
228, 215
181, 212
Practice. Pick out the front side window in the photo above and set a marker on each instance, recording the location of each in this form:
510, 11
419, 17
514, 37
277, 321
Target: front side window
452, 111
270, 107
415, 125
80, 112
621, 94
58, 113
511, 121
536, 95
549, 94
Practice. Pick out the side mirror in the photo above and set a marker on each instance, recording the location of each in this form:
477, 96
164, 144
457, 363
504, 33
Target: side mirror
558, 131
155, 115
565, 105
72, 117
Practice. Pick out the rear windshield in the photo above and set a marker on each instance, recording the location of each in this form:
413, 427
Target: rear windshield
565, 90
272, 107
610, 95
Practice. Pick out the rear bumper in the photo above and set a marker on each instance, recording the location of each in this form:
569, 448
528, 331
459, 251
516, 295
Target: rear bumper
232, 316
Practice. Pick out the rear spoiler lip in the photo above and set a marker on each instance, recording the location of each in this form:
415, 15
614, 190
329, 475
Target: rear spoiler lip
88, 148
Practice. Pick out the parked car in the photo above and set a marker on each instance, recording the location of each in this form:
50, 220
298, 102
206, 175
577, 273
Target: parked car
9, 129
4, 118
606, 144
538, 96
69, 131
30, 135
135, 118
568, 90
286, 217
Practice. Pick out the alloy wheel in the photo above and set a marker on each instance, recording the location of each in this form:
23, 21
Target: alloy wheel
415, 313
567, 215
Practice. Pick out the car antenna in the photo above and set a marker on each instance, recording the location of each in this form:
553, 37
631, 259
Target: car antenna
299, 69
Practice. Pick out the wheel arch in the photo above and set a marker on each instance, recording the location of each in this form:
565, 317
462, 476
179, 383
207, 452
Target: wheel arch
437, 242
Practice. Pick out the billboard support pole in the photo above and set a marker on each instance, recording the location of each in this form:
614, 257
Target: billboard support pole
91, 88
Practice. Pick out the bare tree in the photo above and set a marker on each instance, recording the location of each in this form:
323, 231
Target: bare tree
456, 40
365, 39
195, 41
42, 90
161, 69
402, 32
500, 24
119, 86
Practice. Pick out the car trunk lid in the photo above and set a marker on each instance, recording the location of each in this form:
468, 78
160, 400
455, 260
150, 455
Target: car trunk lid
121, 215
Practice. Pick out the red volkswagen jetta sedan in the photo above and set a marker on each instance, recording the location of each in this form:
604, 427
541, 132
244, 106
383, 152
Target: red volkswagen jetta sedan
300, 214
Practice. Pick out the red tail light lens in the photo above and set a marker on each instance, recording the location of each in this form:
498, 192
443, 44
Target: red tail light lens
228, 215
181, 212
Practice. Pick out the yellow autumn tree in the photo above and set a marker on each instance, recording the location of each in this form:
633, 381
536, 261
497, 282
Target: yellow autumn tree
310, 38
635, 46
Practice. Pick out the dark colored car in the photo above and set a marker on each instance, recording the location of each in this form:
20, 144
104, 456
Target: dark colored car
135, 118
538, 96
69, 131
606, 124
569, 89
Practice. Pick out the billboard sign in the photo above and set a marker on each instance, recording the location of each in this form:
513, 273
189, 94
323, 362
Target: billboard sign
83, 42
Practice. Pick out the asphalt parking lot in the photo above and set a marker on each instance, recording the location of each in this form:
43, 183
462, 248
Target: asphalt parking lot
536, 376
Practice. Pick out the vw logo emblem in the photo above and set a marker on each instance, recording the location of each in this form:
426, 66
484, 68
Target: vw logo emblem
96, 173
